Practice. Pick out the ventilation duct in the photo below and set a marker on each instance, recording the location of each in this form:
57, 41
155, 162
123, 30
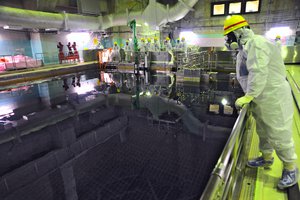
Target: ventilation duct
155, 14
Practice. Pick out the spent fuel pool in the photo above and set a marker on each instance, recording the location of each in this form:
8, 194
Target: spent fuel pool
166, 149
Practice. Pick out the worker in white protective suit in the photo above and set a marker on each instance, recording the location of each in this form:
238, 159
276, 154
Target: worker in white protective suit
262, 75
128, 51
168, 44
183, 44
143, 46
156, 44
149, 45
178, 45
278, 42
115, 52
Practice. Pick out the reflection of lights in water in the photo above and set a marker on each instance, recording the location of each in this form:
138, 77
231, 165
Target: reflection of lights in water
84, 88
107, 78
224, 101
5, 110
25, 88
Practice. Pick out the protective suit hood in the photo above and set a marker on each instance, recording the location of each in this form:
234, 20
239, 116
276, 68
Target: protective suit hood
243, 35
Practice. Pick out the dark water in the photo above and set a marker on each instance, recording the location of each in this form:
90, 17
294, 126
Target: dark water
150, 159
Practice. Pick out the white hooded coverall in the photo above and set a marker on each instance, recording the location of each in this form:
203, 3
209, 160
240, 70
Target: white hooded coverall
262, 75
143, 47
115, 53
128, 50
168, 46
156, 46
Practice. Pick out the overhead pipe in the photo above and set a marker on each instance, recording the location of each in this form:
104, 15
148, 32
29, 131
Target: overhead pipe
74, 22
41, 20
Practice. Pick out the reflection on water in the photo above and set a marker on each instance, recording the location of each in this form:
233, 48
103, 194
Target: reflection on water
207, 98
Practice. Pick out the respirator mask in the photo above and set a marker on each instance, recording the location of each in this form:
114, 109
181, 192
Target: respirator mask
231, 41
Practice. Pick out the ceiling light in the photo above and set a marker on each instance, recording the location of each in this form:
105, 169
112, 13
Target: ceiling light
190, 36
282, 31
6, 27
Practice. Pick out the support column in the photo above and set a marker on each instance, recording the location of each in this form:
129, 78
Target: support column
36, 45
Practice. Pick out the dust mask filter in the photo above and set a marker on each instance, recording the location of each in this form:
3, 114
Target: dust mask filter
231, 41
234, 46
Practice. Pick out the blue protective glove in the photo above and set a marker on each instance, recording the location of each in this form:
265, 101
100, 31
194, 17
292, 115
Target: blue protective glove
240, 102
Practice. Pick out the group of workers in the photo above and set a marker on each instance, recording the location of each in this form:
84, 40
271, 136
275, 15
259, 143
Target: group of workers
148, 46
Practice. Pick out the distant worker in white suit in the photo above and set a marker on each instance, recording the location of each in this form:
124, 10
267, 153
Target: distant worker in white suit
149, 45
278, 42
115, 52
142, 45
156, 44
183, 45
128, 50
168, 44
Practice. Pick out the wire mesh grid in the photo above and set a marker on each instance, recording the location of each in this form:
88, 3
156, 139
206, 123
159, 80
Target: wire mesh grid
150, 165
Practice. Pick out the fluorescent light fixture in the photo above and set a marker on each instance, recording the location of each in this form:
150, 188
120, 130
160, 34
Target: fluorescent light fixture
51, 29
81, 37
146, 24
224, 101
6, 27
189, 36
138, 25
282, 31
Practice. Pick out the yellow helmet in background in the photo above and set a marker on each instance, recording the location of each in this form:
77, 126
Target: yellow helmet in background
278, 37
233, 23
149, 39
167, 38
155, 38
115, 43
183, 38
143, 39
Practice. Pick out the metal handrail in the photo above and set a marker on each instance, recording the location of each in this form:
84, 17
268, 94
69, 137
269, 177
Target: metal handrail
221, 173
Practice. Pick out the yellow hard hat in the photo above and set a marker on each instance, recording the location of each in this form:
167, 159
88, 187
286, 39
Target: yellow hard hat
143, 39
115, 43
155, 38
278, 37
149, 39
167, 38
234, 22
183, 38
127, 41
